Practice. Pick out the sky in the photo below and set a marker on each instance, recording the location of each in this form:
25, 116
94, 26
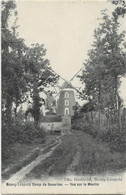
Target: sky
65, 28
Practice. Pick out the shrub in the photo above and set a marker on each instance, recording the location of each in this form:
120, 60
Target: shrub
89, 128
76, 125
20, 132
115, 139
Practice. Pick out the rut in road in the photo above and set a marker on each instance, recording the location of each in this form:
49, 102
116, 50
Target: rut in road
17, 177
71, 170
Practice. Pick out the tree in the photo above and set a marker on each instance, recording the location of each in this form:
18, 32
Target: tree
13, 49
23, 69
116, 58
77, 113
40, 75
120, 9
105, 65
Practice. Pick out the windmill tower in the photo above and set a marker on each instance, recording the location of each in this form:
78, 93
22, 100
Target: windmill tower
66, 103
66, 100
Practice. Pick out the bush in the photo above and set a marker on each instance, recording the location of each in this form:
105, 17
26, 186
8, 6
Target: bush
76, 125
89, 128
115, 139
20, 132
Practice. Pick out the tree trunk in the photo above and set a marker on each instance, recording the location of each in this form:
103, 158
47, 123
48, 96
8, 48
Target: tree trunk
108, 119
15, 111
36, 104
99, 119
9, 111
92, 116
118, 103
99, 107
119, 114
116, 93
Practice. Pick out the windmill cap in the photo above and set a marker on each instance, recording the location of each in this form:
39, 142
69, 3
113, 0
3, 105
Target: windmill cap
66, 85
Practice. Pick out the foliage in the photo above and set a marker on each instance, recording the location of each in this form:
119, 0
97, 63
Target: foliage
120, 9
25, 70
20, 132
40, 75
115, 139
97, 158
77, 112
104, 67
13, 50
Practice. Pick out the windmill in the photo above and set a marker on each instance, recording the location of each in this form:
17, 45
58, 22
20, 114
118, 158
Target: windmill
66, 100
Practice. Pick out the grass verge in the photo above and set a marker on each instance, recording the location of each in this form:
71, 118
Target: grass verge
22, 154
58, 162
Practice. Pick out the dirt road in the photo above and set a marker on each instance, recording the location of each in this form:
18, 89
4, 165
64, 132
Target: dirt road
73, 154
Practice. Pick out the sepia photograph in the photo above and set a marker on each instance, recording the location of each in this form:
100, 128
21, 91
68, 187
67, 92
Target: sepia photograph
63, 94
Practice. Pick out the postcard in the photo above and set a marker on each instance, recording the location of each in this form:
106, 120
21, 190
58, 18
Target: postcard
63, 97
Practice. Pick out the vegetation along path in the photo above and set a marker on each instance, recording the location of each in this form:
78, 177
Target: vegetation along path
43, 154
78, 154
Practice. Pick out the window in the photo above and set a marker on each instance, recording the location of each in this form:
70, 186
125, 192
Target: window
66, 95
66, 102
66, 111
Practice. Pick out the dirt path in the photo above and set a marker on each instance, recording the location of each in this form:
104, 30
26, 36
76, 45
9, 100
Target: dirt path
17, 177
71, 170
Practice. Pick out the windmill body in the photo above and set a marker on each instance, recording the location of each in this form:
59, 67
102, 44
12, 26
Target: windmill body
66, 103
